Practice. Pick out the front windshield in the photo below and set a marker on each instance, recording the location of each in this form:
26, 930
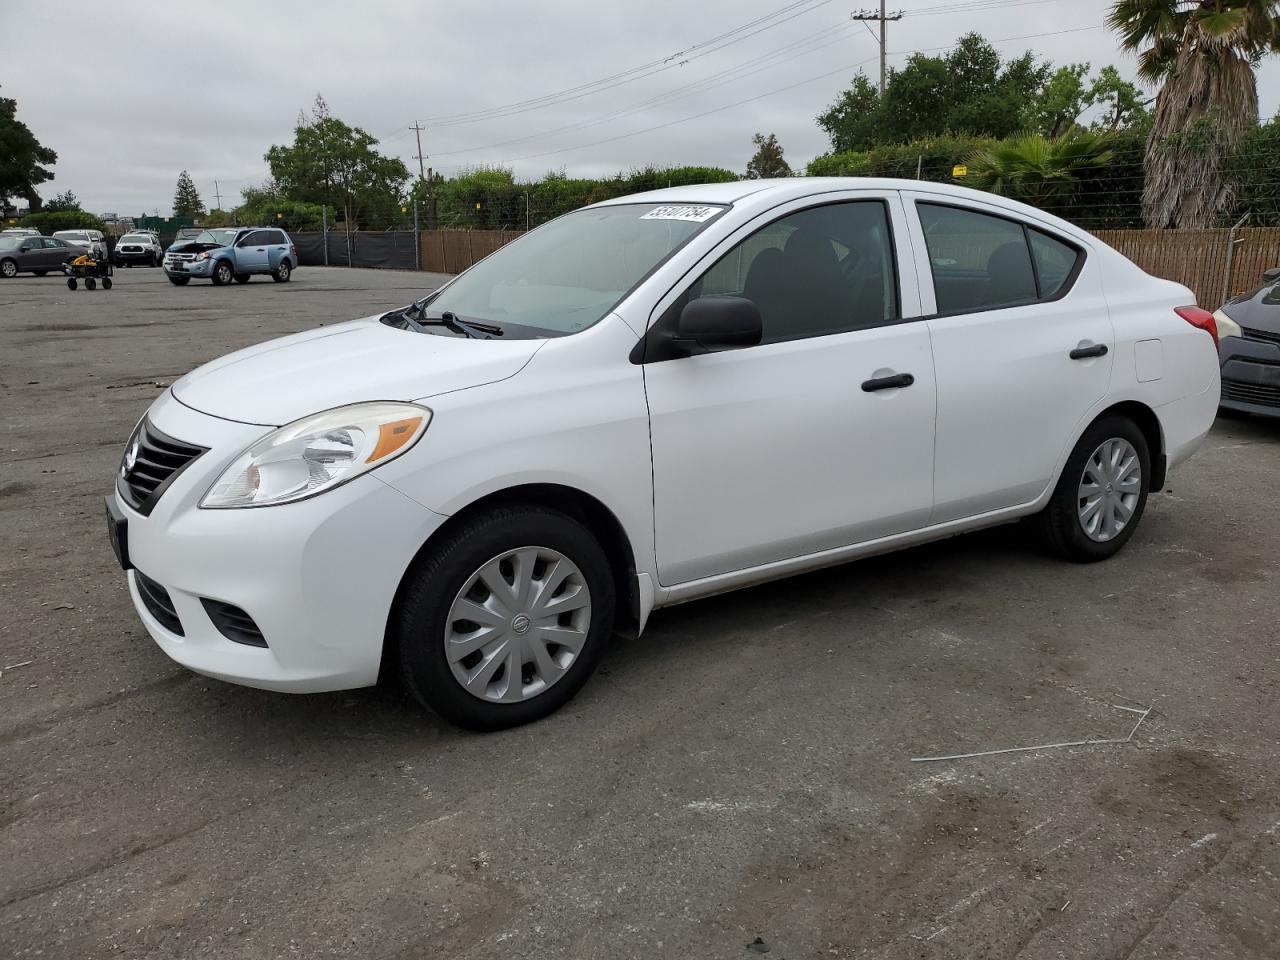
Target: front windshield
568, 274
72, 235
135, 238
220, 237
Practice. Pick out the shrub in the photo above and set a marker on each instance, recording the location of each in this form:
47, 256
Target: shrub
48, 223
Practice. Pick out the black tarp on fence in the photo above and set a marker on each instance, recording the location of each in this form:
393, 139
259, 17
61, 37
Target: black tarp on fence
393, 249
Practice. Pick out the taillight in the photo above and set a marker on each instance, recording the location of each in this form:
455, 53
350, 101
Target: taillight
1201, 318
294, 248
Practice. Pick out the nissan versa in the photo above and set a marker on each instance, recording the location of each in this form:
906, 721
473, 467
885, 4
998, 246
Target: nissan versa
646, 401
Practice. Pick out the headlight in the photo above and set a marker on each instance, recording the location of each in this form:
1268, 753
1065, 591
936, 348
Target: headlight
318, 453
1226, 326
203, 256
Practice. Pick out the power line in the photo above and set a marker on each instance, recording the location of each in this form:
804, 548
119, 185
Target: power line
883, 19
804, 46
678, 59
738, 103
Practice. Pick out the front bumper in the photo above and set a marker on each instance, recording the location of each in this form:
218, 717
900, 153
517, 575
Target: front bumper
318, 577
134, 256
192, 268
1250, 376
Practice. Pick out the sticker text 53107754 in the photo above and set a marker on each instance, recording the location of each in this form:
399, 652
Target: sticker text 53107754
682, 212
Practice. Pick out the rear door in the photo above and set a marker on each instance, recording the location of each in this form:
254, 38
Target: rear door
1023, 346
277, 247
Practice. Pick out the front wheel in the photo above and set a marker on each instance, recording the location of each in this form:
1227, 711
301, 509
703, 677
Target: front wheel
503, 621
222, 273
282, 273
1101, 494
179, 281
242, 278
71, 283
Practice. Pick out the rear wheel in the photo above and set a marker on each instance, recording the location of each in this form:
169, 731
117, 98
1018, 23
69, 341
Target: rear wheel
222, 273
8, 269
106, 283
90, 283
282, 273
71, 283
503, 621
179, 281
1102, 493
242, 278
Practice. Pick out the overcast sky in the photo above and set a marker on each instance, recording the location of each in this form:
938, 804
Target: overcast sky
137, 92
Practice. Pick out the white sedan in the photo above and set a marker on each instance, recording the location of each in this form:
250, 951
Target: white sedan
644, 402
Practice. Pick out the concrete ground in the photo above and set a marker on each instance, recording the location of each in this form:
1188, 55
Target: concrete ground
742, 771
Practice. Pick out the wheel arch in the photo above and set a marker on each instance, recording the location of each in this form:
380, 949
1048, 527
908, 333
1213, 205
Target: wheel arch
602, 522
1146, 419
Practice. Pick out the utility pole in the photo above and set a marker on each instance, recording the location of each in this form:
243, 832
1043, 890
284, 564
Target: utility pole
217, 196
417, 128
883, 18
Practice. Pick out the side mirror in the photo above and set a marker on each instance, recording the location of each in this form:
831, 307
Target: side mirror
1272, 275
709, 324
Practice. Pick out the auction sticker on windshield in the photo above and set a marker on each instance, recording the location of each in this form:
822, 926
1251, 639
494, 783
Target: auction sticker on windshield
693, 214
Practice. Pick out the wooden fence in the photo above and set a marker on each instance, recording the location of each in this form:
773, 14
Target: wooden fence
1198, 258
1195, 258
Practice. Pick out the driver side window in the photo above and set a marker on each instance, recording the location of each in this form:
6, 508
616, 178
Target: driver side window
816, 272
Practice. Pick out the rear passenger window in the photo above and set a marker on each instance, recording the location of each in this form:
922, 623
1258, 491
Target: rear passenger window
819, 271
979, 262
1054, 261
275, 236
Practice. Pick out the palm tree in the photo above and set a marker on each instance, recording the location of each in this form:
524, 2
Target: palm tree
1032, 168
1204, 52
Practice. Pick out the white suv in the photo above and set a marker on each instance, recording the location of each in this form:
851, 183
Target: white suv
646, 401
138, 247
91, 240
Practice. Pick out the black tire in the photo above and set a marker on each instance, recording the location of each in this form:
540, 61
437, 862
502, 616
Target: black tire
242, 278
222, 273
106, 283
71, 283
283, 272
155, 260
90, 283
439, 573
179, 281
1059, 523
40, 273
8, 269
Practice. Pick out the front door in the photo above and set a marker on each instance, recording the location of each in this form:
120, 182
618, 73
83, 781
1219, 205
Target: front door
822, 435
1022, 344
251, 253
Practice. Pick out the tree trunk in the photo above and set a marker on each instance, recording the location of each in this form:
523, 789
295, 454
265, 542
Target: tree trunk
1203, 109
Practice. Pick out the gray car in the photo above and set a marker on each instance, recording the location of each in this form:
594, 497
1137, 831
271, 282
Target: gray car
1249, 348
38, 255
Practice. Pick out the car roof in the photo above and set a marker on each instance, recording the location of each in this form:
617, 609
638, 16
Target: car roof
763, 194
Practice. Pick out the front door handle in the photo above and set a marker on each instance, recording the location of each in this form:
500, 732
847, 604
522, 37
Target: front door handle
888, 383
1085, 353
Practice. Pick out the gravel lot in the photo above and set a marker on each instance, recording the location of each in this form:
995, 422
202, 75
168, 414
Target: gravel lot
741, 771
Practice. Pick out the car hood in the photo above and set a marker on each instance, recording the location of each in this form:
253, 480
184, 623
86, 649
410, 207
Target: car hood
1259, 310
279, 381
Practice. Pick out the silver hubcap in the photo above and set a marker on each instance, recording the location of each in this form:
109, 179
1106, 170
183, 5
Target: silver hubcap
9, 269
518, 624
1109, 489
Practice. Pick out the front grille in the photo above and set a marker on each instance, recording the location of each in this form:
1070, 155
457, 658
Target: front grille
127, 248
233, 623
158, 460
182, 257
1252, 333
156, 599
1262, 394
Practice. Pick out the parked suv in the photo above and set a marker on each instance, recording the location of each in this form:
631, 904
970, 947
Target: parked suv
233, 253
91, 241
138, 247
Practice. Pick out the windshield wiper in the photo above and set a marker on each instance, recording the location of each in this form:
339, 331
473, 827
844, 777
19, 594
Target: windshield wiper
414, 318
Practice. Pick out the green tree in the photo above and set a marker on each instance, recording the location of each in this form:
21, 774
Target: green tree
1124, 104
186, 199
768, 162
1061, 102
969, 91
853, 122
330, 162
1032, 168
1204, 55
62, 201
22, 158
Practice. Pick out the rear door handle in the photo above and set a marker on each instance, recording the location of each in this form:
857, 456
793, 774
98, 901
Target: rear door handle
888, 383
1085, 353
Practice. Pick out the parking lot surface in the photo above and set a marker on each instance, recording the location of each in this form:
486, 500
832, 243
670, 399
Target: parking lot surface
742, 771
